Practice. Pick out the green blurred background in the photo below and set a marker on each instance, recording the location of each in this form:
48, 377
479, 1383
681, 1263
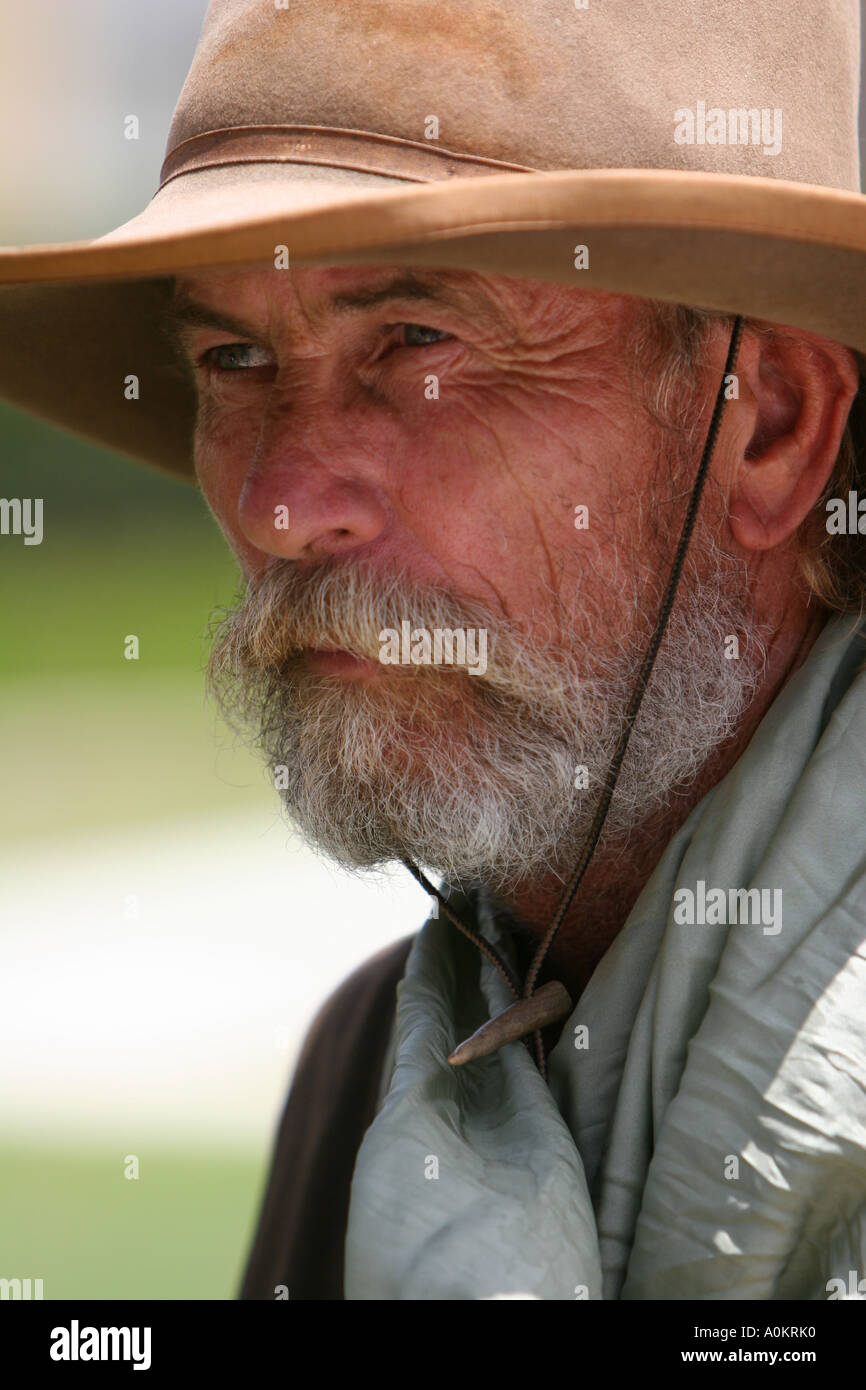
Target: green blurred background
164, 940
125, 551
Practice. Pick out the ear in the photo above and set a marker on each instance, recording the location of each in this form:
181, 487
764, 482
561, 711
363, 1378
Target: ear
797, 390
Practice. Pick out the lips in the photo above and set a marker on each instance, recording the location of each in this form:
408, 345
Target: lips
332, 661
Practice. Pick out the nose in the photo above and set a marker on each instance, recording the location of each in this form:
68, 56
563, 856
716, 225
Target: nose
316, 486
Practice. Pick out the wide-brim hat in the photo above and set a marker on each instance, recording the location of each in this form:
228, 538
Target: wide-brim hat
696, 154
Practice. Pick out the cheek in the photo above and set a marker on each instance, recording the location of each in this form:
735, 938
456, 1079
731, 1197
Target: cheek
523, 456
224, 451
542, 491
490, 488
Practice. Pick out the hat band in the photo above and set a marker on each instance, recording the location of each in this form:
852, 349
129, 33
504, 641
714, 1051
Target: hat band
361, 150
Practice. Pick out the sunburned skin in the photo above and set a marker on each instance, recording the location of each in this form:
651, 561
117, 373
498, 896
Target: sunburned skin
448, 434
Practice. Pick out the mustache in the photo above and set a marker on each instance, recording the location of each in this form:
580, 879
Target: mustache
344, 606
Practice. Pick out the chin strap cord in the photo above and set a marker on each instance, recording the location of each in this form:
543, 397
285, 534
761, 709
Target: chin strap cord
475, 937
535, 1009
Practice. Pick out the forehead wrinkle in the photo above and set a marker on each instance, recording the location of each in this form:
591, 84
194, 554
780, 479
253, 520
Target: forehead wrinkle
416, 288
185, 312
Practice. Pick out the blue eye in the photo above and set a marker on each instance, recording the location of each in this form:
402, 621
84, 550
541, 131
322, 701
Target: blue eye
236, 357
241, 357
427, 336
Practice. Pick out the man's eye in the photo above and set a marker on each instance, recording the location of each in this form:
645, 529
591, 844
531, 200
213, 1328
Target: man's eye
240, 357
236, 357
418, 335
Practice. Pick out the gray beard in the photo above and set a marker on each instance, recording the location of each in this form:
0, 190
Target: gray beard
473, 777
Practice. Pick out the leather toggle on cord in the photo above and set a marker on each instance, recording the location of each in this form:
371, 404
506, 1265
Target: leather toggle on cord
536, 1009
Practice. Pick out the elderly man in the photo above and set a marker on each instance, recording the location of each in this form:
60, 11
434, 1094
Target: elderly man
461, 516
548, 593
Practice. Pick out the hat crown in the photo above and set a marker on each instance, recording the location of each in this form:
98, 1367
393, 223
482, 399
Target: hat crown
605, 84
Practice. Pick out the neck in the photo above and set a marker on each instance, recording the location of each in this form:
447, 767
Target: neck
615, 877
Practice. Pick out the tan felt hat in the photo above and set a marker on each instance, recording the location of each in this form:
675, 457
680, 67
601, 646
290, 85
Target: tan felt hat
702, 154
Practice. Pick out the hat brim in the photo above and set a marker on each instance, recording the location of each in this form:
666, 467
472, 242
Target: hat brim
79, 317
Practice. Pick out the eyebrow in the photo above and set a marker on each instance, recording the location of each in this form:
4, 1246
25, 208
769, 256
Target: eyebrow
184, 312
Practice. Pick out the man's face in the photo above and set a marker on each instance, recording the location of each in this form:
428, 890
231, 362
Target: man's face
462, 452
331, 415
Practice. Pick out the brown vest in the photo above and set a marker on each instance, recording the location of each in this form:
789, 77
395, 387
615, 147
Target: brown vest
332, 1102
